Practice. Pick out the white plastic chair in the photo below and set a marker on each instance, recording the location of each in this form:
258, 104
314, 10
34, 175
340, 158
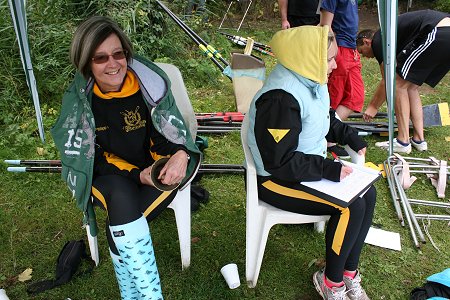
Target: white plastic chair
260, 216
181, 204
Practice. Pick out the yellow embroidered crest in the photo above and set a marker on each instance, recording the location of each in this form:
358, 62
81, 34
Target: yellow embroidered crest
133, 120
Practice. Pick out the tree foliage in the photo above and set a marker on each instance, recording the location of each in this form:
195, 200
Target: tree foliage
51, 24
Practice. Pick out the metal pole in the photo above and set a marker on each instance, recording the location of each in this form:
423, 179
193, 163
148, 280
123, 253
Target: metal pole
387, 12
19, 18
225, 15
429, 203
248, 7
394, 195
412, 221
433, 217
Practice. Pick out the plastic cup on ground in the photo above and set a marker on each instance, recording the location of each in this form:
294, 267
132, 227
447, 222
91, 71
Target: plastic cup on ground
3, 295
231, 275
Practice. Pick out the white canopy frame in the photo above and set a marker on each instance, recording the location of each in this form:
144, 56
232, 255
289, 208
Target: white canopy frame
387, 13
19, 18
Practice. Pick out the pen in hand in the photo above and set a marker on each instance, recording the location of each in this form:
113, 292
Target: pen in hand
345, 170
337, 158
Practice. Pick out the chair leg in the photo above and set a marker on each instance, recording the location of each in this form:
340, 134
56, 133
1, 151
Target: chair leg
251, 251
257, 235
250, 262
260, 253
319, 226
181, 206
93, 246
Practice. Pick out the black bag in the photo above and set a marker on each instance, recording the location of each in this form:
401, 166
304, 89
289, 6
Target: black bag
429, 290
198, 195
67, 264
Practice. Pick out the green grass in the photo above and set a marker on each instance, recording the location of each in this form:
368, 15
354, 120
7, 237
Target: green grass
37, 216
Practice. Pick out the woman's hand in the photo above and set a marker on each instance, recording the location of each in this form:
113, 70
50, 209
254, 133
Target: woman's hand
345, 171
362, 151
145, 176
174, 170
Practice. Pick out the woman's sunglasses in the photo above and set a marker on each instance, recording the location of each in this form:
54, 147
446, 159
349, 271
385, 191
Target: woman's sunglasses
102, 58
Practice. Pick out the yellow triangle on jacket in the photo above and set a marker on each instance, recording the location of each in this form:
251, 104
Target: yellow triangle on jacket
278, 134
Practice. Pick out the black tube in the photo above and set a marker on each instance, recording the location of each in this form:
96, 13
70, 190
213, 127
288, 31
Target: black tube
219, 123
221, 166
187, 28
235, 37
217, 128
189, 32
30, 162
360, 115
213, 168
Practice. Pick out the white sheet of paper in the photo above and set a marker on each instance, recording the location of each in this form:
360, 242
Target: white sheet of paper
383, 238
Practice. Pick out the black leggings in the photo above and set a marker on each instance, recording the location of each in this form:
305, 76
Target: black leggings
346, 229
126, 201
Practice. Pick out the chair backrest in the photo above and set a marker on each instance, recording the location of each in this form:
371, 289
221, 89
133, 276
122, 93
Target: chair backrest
181, 96
250, 170
182, 100
248, 78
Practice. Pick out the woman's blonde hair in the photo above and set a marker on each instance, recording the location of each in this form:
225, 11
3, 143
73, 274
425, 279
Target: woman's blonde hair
88, 36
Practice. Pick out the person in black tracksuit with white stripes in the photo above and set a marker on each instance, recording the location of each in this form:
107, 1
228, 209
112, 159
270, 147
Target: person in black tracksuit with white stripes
423, 40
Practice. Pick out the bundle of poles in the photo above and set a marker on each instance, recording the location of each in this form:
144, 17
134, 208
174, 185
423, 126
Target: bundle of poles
206, 49
396, 167
222, 122
54, 166
219, 122
241, 41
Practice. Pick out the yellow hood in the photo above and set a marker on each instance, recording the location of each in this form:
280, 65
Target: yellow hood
303, 50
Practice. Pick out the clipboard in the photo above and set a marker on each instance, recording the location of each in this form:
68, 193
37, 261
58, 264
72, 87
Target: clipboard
343, 193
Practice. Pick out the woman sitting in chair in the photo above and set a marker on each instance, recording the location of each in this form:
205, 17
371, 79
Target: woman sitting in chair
289, 125
117, 118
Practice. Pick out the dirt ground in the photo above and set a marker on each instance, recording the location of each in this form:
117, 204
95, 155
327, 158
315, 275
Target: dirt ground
368, 17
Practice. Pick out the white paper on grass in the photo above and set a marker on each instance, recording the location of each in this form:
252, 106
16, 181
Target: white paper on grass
383, 238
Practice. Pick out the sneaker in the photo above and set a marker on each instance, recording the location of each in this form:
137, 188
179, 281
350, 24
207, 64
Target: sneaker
398, 148
354, 288
334, 293
422, 146
339, 151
